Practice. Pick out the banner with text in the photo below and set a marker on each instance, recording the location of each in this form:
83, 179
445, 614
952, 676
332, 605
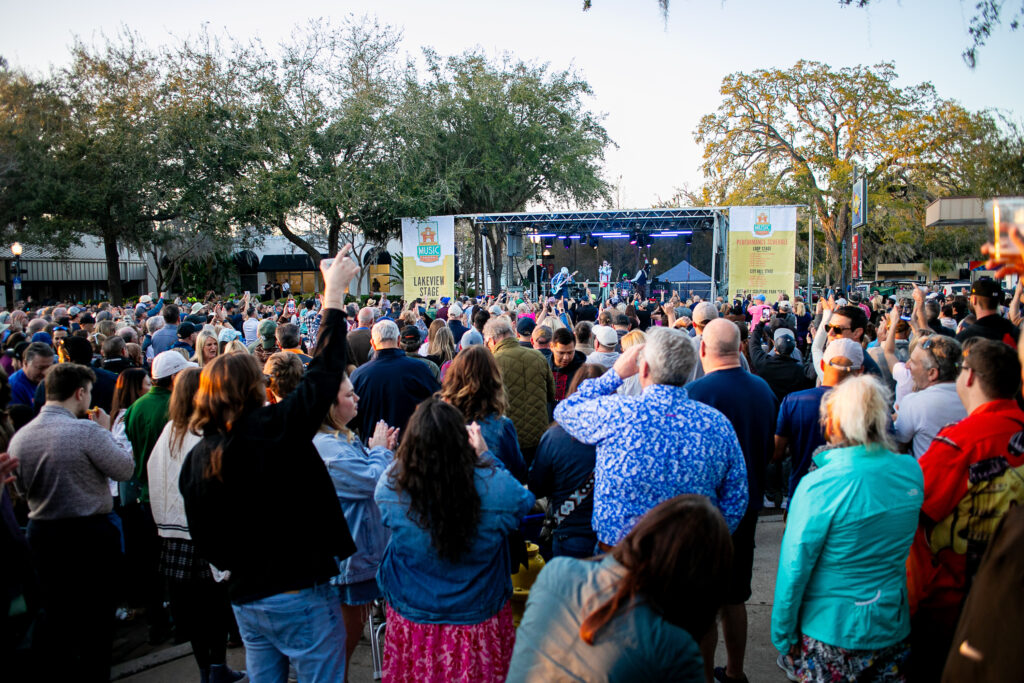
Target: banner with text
428, 257
762, 250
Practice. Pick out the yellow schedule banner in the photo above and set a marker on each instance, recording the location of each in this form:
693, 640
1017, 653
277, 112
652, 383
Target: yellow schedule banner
762, 250
428, 257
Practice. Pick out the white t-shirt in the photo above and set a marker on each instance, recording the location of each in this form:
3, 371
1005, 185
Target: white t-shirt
249, 328
923, 413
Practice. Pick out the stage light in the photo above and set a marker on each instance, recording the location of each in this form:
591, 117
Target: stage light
566, 242
593, 241
633, 238
548, 241
647, 240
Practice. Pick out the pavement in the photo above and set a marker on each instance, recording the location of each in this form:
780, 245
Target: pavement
175, 664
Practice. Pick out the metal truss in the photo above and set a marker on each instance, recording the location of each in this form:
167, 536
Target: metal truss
667, 222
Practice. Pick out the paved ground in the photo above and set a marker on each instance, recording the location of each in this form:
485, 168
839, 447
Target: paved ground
760, 666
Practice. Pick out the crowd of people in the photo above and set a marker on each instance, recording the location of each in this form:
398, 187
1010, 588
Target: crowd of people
270, 474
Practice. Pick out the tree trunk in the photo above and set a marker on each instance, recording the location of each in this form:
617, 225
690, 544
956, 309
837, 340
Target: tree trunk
333, 233
495, 257
282, 225
113, 268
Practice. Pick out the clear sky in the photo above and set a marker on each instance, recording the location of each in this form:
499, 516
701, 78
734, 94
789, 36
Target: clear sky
652, 80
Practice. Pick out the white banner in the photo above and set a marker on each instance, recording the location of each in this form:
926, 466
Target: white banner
762, 250
428, 257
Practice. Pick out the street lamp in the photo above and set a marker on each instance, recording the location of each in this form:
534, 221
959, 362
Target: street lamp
16, 249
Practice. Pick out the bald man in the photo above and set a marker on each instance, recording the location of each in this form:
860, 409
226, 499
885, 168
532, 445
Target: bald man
750, 405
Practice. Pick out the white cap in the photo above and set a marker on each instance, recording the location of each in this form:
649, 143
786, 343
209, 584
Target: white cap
454, 311
170, 363
845, 348
607, 336
145, 299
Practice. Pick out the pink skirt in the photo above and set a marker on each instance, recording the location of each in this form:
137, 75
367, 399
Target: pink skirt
448, 652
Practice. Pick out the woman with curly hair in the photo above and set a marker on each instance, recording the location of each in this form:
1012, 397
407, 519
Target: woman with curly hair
638, 612
445, 572
473, 385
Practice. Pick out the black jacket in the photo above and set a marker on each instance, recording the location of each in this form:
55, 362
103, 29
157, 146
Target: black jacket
273, 520
782, 373
390, 387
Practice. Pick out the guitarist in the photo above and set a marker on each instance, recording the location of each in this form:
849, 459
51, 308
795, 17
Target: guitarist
560, 283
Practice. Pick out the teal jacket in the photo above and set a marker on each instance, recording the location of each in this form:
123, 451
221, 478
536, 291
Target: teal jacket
842, 569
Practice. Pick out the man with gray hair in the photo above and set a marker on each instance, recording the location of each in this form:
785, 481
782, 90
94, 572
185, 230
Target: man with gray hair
392, 384
529, 384
655, 445
750, 405
933, 366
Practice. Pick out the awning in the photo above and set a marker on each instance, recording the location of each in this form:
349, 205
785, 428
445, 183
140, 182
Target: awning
293, 263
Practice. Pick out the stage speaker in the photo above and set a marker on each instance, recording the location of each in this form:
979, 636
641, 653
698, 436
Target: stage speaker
515, 245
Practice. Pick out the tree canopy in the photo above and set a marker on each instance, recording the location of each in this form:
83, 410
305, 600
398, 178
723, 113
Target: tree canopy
796, 135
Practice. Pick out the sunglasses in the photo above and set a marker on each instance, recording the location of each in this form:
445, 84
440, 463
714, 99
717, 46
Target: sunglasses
837, 329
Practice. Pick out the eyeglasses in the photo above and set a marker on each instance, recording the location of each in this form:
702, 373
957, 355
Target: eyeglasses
836, 329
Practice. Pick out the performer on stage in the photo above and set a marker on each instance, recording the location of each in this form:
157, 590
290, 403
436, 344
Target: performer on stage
560, 283
604, 275
640, 281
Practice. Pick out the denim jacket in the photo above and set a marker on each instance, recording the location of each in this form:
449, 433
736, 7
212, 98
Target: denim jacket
500, 434
424, 588
354, 472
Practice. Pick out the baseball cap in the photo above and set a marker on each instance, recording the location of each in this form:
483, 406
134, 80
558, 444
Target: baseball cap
525, 326
145, 299
761, 297
455, 311
845, 348
783, 332
87, 319
266, 331
445, 299
187, 329
74, 310
471, 338
227, 335
411, 334
196, 307
607, 336
703, 312
495, 310
42, 337
986, 286
784, 305
170, 363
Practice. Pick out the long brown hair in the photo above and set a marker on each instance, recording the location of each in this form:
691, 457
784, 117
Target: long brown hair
678, 557
186, 384
230, 387
127, 391
435, 465
473, 384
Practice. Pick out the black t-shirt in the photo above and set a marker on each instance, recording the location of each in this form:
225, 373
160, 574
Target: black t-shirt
586, 312
992, 327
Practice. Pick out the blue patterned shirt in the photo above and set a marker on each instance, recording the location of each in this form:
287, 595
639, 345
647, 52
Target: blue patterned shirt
650, 448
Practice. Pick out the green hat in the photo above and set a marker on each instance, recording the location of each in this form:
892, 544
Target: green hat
267, 331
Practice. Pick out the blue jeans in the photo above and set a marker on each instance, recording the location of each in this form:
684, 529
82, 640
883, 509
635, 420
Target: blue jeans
581, 545
304, 627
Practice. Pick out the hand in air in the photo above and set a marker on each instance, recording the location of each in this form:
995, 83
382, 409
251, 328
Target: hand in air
1008, 264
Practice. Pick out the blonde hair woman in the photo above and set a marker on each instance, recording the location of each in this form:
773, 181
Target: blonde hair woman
851, 522
206, 347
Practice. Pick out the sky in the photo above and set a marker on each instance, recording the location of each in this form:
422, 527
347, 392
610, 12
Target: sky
652, 79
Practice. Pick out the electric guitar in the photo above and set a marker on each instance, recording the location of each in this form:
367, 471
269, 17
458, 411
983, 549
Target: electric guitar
557, 284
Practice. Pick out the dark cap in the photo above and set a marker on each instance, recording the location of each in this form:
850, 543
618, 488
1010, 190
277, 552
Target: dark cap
410, 333
187, 329
525, 326
986, 286
87, 319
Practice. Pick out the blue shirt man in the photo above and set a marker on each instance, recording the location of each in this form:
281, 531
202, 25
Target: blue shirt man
656, 445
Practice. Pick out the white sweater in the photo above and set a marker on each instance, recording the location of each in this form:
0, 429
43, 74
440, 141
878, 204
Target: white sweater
164, 468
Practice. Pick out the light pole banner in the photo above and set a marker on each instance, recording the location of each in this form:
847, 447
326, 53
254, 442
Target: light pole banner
428, 257
762, 250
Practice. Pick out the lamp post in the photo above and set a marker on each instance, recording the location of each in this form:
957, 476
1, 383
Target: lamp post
16, 249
